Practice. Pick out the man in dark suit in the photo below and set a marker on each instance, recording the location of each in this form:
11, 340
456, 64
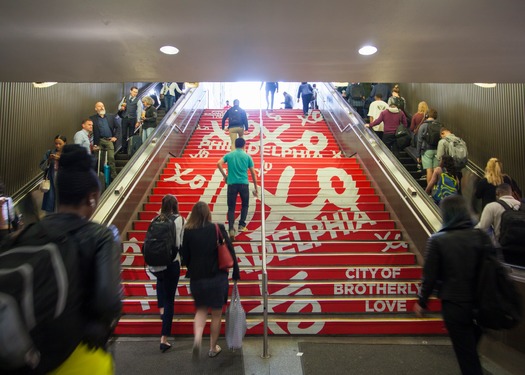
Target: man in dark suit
104, 128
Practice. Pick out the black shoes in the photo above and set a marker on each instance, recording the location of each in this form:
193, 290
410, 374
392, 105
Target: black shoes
164, 347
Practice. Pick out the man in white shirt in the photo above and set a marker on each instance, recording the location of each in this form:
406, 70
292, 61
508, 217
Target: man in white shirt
375, 109
491, 215
84, 137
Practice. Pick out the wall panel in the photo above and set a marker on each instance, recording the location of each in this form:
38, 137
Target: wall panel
491, 121
30, 118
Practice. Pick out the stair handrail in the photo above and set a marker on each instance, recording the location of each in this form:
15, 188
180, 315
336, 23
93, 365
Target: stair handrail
264, 276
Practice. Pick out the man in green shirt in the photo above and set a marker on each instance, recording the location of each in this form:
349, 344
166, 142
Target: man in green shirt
237, 179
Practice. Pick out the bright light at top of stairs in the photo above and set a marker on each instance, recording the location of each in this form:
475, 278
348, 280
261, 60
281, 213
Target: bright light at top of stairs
486, 85
169, 50
367, 50
43, 85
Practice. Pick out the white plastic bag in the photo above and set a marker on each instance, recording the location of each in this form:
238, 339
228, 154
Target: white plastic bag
235, 321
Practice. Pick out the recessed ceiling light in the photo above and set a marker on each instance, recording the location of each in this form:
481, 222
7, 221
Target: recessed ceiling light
43, 85
486, 85
169, 50
367, 50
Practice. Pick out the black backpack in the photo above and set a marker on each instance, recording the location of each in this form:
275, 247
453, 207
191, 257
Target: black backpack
235, 117
512, 226
159, 248
433, 134
497, 303
40, 319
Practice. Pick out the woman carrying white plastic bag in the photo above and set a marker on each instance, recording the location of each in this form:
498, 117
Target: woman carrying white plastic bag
235, 321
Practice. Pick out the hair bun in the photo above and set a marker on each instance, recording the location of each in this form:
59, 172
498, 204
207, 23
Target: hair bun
75, 158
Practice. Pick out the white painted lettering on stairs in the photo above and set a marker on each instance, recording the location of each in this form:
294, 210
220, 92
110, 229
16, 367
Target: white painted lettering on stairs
195, 183
385, 305
375, 288
371, 272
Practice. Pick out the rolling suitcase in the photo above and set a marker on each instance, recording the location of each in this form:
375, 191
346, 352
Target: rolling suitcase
100, 173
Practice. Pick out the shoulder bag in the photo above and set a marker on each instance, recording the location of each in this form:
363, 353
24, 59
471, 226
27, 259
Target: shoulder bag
223, 253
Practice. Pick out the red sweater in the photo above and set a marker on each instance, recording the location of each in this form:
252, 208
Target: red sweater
391, 117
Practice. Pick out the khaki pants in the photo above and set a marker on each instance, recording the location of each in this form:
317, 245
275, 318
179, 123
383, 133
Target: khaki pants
233, 134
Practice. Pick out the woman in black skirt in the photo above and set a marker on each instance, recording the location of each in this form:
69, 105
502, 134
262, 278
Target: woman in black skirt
209, 285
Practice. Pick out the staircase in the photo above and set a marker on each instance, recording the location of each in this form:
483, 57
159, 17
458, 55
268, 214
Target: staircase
337, 263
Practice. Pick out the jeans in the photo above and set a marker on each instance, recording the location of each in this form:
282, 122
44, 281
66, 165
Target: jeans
128, 128
272, 93
168, 102
167, 282
146, 133
243, 191
306, 103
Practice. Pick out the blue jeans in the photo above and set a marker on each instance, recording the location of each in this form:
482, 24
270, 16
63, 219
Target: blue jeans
168, 102
146, 133
167, 282
243, 191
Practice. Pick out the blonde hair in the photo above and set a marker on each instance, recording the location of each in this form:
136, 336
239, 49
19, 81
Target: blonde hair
200, 215
494, 172
422, 107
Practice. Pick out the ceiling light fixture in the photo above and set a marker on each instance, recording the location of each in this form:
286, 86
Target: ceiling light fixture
169, 50
43, 85
486, 85
367, 50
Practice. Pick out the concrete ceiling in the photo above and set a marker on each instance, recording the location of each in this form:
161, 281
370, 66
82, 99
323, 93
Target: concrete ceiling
262, 40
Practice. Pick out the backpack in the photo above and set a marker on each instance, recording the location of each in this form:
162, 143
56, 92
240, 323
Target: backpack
159, 248
457, 148
512, 226
433, 134
235, 117
447, 185
39, 299
497, 304
357, 92
399, 102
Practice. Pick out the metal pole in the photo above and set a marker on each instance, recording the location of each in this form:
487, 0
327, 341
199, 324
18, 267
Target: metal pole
264, 281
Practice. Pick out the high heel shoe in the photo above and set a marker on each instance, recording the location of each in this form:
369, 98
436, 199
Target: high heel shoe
164, 347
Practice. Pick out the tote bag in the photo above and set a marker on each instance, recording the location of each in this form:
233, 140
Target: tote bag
235, 321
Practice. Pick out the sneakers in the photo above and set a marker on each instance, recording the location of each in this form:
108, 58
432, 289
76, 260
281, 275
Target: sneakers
232, 234
242, 229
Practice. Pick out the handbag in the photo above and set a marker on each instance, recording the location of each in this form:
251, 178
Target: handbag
235, 321
45, 185
402, 137
223, 253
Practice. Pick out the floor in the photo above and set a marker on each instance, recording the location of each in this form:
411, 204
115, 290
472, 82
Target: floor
141, 355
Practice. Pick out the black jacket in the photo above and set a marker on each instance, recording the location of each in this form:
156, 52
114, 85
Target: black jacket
94, 305
236, 118
96, 132
199, 252
451, 263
